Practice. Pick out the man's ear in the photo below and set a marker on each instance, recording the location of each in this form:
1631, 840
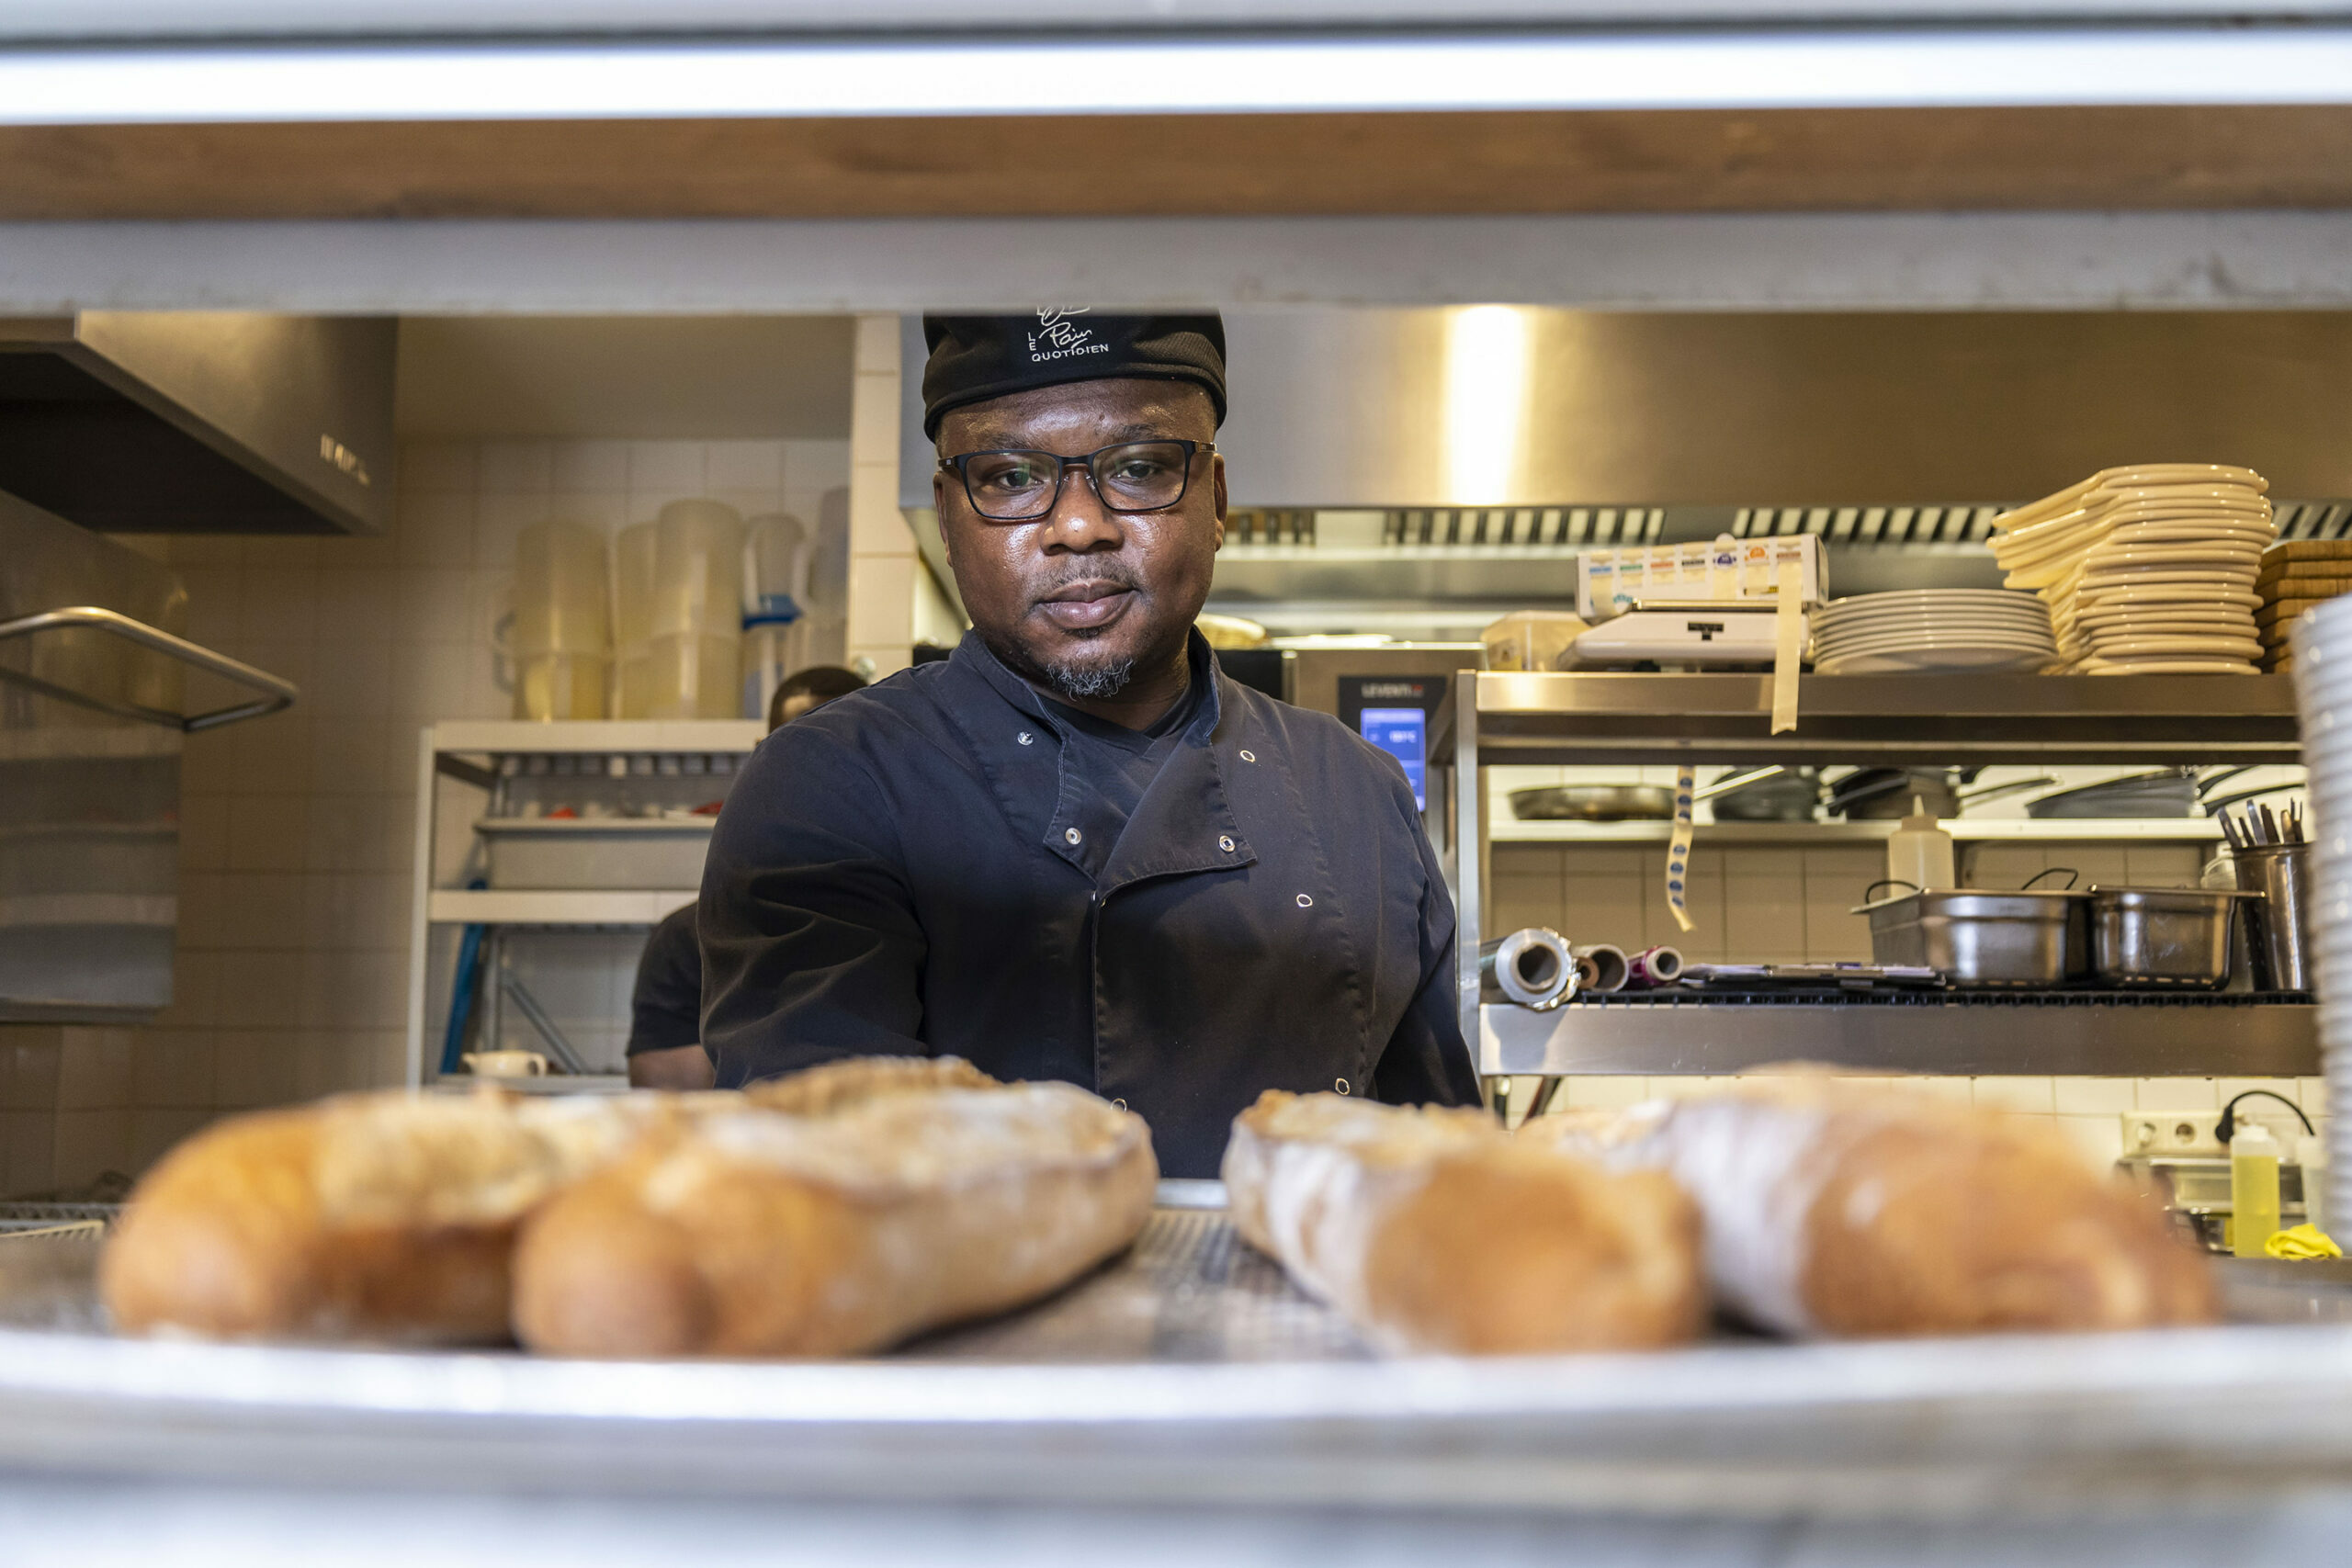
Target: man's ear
939, 511
1216, 481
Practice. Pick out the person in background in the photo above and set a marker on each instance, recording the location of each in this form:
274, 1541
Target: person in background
666, 1010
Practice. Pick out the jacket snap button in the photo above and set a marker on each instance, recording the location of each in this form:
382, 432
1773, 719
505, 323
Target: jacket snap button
1248, 756
1304, 902
1225, 843
1027, 738
1340, 1085
1073, 835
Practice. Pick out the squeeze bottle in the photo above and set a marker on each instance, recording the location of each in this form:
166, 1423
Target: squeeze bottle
2253, 1189
1919, 853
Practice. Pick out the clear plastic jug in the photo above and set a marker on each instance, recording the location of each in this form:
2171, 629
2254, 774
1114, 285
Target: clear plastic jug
561, 641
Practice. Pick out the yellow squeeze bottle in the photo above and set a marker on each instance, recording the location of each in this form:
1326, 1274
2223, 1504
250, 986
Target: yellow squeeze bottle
2253, 1189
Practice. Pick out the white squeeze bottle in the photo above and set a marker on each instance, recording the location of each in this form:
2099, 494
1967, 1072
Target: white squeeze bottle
1919, 853
2253, 1189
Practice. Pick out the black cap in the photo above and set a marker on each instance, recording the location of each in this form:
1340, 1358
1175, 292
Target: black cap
974, 358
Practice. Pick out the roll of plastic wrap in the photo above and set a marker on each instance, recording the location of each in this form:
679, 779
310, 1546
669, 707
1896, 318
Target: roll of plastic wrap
1531, 966
1653, 967
1601, 968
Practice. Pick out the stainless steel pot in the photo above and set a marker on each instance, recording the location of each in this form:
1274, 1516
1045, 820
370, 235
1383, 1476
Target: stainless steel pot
1978, 937
2162, 936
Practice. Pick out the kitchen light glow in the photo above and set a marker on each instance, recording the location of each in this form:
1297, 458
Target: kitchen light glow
1486, 401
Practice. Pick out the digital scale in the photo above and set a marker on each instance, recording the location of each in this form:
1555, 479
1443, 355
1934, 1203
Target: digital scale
1684, 632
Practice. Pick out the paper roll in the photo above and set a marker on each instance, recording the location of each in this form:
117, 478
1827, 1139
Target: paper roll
1678, 850
1788, 645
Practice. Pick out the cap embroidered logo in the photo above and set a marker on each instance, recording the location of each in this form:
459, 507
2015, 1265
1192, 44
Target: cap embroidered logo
1062, 337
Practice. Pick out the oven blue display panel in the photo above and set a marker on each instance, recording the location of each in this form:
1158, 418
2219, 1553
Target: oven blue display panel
1404, 734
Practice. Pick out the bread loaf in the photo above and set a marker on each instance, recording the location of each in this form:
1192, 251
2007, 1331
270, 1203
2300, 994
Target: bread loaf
1837, 1209
765, 1234
1434, 1230
385, 1217
837, 1085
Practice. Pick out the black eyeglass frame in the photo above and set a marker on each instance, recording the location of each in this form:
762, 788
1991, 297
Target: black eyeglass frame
956, 465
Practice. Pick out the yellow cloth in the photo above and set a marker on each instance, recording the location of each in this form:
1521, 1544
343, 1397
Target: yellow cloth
2301, 1242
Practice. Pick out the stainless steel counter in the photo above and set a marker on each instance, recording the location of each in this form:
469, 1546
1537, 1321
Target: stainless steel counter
2148, 1035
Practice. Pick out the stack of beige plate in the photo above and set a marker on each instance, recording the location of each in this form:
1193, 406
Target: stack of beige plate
1912, 631
2148, 569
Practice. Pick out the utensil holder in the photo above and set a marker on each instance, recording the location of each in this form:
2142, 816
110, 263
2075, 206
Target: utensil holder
2277, 923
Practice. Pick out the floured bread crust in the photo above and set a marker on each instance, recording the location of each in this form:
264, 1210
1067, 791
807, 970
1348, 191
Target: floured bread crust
760, 1233
386, 1217
837, 1085
1434, 1231
1838, 1210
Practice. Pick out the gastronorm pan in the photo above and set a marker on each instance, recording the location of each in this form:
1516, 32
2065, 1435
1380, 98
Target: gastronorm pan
1980, 937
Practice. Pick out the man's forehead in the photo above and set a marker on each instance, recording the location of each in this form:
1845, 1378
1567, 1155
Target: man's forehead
1126, 409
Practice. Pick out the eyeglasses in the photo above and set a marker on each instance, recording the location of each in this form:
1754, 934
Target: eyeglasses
1019, 486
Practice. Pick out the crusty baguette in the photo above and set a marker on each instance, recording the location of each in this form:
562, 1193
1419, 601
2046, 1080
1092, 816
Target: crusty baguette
1838, 1210
1434, 1231
386, 1217
763, 1234
837, 1085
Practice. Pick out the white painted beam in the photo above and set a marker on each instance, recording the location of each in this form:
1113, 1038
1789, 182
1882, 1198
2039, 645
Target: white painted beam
1908, 260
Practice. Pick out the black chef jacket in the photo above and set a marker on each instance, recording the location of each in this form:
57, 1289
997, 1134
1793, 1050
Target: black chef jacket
914, 869
665, 1005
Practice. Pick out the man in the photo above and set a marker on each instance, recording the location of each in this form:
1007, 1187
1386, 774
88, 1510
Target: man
1073, 849
665, 1010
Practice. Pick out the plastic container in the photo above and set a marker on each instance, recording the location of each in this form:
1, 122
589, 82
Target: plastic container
772, 649
684, 677
561, 641
2253, 1189
1920, 852
697, 571
680, 608
776, 557
1533, 639
633, 586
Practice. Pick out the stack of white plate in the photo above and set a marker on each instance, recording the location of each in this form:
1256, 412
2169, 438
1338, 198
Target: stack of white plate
2147, 569
1987, 629
2322, 640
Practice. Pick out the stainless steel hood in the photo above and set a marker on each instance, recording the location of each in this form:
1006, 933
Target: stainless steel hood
1417, 471
1491, 406
200, 422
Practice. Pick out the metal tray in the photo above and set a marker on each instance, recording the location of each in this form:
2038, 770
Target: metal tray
1190, 1372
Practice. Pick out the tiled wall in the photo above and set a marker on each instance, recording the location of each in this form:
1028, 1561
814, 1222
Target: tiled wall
297, 830
1767, 903
893, 603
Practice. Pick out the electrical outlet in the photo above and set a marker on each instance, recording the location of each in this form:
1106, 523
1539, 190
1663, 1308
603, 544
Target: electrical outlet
2173, 1132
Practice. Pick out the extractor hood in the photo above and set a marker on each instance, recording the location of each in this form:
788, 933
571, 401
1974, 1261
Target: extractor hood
200, 422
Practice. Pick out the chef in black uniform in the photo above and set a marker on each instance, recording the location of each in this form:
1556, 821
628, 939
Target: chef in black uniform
1074, 850
665, 1008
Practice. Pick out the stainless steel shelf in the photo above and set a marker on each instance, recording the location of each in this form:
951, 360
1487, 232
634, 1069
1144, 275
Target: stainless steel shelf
2206, 1037
523, 738
555, 908
1994, 829
1635, 718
